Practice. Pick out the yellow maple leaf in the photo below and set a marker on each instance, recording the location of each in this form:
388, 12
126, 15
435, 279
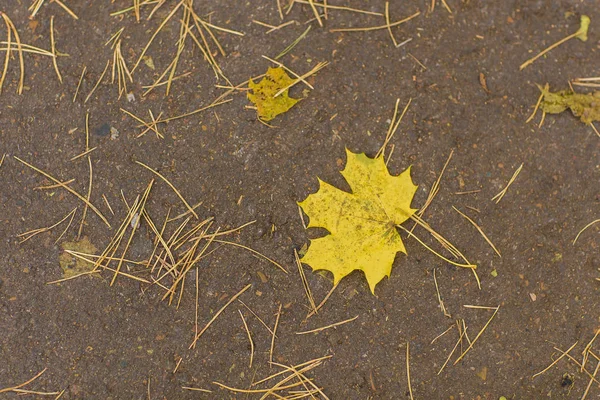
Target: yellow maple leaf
362, 224
263, 94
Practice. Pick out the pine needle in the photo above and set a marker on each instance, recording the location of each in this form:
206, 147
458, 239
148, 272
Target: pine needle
322, 303
190, 209
257, 317
120, 69
302, 78
67, 9
595, 129
314, 9
7, 56
149, 126
327, 327
89, 193
290, 71
584, 228
79, 83
374, 28
461, 334
302, 378
442, 334
448, 246
68, 189
25, 236
439, 296
196, 389
274, 335
592, 379
11, 26
26, 48
133, 7
293, 44
98, 82
17, 389
137, 211
238, 294
82, 256
53, 49
35, 7
394, 124
108, 204
280, 385
313, 362
387, 21
470, 266
249, 338
167, 18
309, 296
213, 104
275, 28
588, 373
435, 187
588, 82
479, 230
341, 8
542, 120
67, 227
85, 153
279, 9
537, 104
471, 344
275, 263
500, 195
557, 360
408, 370
587, 350
266, 391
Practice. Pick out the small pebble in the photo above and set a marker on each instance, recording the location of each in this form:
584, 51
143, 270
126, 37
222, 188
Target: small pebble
114, 133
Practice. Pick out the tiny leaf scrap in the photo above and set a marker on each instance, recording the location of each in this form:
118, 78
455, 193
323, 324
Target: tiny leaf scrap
362, 224
72, 265
263, 94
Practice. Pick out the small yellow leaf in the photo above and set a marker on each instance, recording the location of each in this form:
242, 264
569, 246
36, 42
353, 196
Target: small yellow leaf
583, 28
584, 106
483, 373
263, 94
149, 62
362, 224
